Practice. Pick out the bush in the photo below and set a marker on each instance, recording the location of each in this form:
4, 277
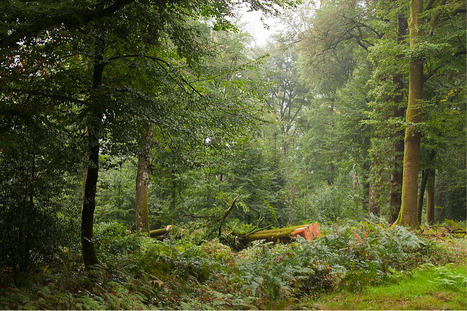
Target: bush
33, 225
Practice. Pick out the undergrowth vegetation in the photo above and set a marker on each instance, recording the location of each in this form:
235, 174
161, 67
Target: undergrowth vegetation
137, 272
425, 288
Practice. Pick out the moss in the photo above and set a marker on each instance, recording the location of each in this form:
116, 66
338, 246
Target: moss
281, 234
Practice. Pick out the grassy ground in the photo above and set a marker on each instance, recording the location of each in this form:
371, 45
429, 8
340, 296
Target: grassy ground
431, 288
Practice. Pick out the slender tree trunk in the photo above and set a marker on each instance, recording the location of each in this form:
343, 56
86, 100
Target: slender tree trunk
421, 195
83, 183
141, 205
89, 198
399, 112
85, 172
142, 182
430, 200
89, 203
408, 215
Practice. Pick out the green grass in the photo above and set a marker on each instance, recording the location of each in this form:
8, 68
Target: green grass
441, 288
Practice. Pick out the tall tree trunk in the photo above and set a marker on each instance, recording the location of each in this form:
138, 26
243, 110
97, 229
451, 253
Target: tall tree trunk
396, 179
430, 199
408, 215
94, 127
421, 195
89, 202
142, 182
83, 182
399, 112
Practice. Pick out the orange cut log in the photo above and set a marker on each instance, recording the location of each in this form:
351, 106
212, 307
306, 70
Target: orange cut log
284, 235
309, 232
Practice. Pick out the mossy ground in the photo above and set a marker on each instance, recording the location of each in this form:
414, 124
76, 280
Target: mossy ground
434, 288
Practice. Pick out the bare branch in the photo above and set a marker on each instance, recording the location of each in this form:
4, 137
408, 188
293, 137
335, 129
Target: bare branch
161, 62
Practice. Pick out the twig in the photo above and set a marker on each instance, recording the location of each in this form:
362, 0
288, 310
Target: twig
226, 214
221, 221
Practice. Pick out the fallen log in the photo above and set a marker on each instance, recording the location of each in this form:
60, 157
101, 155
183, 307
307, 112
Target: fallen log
160, 234
441, 231
284, 235
309, 232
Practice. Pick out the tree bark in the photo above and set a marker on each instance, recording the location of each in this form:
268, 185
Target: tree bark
421, 195
284, 235
94, 127
396, 179
430, 200
89, 202
408, 215
160, 234
83, 182
142, 182
399, 112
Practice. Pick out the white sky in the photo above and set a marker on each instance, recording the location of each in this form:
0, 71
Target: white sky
262, 28
256, 27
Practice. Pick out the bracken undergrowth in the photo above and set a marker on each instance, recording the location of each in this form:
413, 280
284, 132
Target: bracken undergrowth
137, 272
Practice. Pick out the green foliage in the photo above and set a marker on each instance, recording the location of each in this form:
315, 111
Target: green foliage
116, 193
445, 277
33, 203
299, 134
416, 290
181, 273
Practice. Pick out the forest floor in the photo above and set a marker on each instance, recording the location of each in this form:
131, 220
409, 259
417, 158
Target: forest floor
405, 271
429, 288
426, 288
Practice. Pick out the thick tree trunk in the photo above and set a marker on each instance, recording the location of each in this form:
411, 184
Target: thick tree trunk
89, 198
430, 199
396, 180
142, 182
408, 215
399, 112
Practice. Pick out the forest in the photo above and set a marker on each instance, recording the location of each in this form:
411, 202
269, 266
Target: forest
152, 156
